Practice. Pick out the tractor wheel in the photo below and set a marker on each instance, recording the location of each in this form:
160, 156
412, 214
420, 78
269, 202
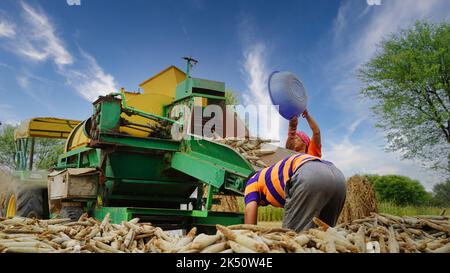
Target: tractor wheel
28, 202
74, 213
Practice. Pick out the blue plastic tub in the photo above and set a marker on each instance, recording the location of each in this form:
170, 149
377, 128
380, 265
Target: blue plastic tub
288, 92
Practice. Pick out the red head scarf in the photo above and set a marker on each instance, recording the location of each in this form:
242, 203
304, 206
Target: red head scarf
304, 137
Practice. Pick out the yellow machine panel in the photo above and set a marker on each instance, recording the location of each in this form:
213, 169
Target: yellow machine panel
159, 91
165, 82
76, 139
47, 127
148, 102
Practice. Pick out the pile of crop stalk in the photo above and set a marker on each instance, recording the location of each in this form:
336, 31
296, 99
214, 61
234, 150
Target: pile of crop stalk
377, 233
249, 148
252, 150
360, 200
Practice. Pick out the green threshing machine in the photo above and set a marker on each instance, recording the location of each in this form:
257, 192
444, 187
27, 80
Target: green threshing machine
122, 160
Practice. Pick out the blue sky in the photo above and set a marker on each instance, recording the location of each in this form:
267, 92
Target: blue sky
54, 58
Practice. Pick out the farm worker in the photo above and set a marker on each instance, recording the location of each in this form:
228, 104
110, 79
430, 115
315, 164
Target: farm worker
300, 142
305, 185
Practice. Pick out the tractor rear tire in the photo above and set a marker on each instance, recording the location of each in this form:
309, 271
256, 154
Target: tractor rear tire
29, 202
74, 213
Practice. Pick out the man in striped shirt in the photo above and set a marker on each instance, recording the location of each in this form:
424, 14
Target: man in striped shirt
304, 185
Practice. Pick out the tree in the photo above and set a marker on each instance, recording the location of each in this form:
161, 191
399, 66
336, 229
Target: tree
231, 98
409, 83
7, 146
441, 193
400, 190
46, 150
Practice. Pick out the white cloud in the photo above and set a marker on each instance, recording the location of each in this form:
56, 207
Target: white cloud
38, 41
367, 156
364, 156
256, 73
41, 42
90, 81
87, 77
349, 157
379, 22
30, 52
341, 21
7, 29
354, 125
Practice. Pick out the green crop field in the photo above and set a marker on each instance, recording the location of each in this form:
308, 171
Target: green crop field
391, 208
272, 214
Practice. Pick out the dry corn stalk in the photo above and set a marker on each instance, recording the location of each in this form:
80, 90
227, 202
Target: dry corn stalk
377, 233
250, 148
360, 200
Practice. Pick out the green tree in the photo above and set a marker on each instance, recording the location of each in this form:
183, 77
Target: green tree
46, 150
441, 193
231, 98
7, 146
400, 190
409, 83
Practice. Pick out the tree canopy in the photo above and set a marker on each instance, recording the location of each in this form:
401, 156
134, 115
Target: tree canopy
231, 98
398, 189
7, 146
441, 194
408, 82
46, 150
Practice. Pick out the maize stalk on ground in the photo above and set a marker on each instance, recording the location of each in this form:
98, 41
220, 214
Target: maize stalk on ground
250, 148
379, 233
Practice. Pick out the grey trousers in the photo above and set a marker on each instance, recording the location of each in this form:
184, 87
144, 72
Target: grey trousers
316, 189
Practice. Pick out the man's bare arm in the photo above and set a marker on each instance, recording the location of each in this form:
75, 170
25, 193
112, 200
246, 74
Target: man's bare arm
251, 213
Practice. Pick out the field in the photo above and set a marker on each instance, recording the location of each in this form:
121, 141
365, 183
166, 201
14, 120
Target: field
272, 214
411, 210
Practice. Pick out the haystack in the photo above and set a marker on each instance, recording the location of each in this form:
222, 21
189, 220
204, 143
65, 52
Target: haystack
360, 200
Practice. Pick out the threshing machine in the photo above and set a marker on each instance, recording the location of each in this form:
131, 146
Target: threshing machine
123, 161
